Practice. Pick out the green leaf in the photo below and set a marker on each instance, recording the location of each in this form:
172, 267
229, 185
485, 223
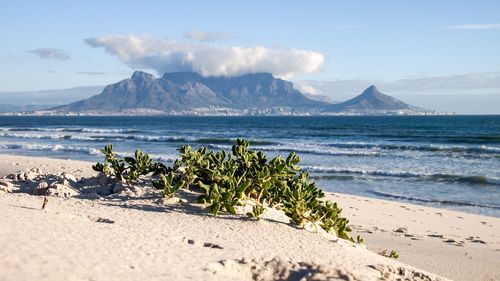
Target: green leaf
215, 208
130, 160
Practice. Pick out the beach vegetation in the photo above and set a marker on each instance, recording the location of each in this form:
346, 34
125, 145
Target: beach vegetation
393, 254
226, 180
128, 169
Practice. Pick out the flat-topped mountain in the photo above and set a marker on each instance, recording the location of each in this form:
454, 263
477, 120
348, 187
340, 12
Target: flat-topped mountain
192, 93
184, 91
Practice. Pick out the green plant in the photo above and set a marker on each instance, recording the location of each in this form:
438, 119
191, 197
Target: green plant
112, 166
139, 165
128, 169
257, 211
226, 180
393, 254
360, 240
165, 183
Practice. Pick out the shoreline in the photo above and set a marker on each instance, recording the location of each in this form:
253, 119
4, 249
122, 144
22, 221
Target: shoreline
435, 240
395, 199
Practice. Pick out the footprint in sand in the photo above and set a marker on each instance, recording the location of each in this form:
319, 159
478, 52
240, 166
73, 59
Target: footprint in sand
454, 242
100, 220
475, 239
401, 230
202, 244
104, 220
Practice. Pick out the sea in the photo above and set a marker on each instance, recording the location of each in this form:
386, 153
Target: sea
450, 162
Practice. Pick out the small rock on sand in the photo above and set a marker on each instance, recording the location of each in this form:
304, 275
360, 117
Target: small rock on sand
68, 177
31, 175
61, 190
41, 189
6, 186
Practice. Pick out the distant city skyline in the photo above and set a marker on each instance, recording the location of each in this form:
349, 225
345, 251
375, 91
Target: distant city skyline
427, 49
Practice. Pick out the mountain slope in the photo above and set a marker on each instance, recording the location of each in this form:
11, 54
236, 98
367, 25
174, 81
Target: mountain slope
258, 93
181, 91
370, 100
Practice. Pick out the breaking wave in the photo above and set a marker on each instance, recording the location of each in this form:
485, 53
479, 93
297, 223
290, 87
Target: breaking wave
435, 201
466, 179
78, 149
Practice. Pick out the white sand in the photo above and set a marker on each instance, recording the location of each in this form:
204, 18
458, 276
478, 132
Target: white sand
148, 238
436, 240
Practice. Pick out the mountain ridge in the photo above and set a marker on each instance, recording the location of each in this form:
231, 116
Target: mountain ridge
187, 93
179, 91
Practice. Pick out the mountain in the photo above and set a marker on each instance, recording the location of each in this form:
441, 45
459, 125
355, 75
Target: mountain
189, 93
321, 98
372, 101
179, 92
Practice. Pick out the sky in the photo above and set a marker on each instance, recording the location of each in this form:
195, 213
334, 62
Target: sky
407, 48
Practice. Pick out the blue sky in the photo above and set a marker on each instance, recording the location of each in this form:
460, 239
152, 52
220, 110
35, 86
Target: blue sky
43, 43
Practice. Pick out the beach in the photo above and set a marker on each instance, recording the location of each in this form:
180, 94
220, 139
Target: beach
145, 236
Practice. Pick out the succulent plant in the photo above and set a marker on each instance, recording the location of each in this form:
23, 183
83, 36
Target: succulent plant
165, 183
227, 180
257, 211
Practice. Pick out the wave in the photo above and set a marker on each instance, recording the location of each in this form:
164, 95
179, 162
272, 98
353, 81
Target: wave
181, 139
365, 149
430, 136
33, 136
79, 149
442, 177
424, 148
121, 137
427, 200
69, 129
306, 150
57, 147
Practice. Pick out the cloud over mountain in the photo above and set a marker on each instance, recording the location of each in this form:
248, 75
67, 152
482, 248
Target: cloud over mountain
51, 53
163, 55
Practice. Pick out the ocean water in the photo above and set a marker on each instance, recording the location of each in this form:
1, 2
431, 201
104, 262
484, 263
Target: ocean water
442, 161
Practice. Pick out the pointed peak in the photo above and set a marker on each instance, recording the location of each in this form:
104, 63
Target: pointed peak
372, 90
140, 75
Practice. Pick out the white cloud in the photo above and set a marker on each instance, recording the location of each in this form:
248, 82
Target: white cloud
51, 53
304, 88
204, 36
162, 55
475, 26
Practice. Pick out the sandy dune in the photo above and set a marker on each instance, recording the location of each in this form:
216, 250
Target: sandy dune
147, 237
